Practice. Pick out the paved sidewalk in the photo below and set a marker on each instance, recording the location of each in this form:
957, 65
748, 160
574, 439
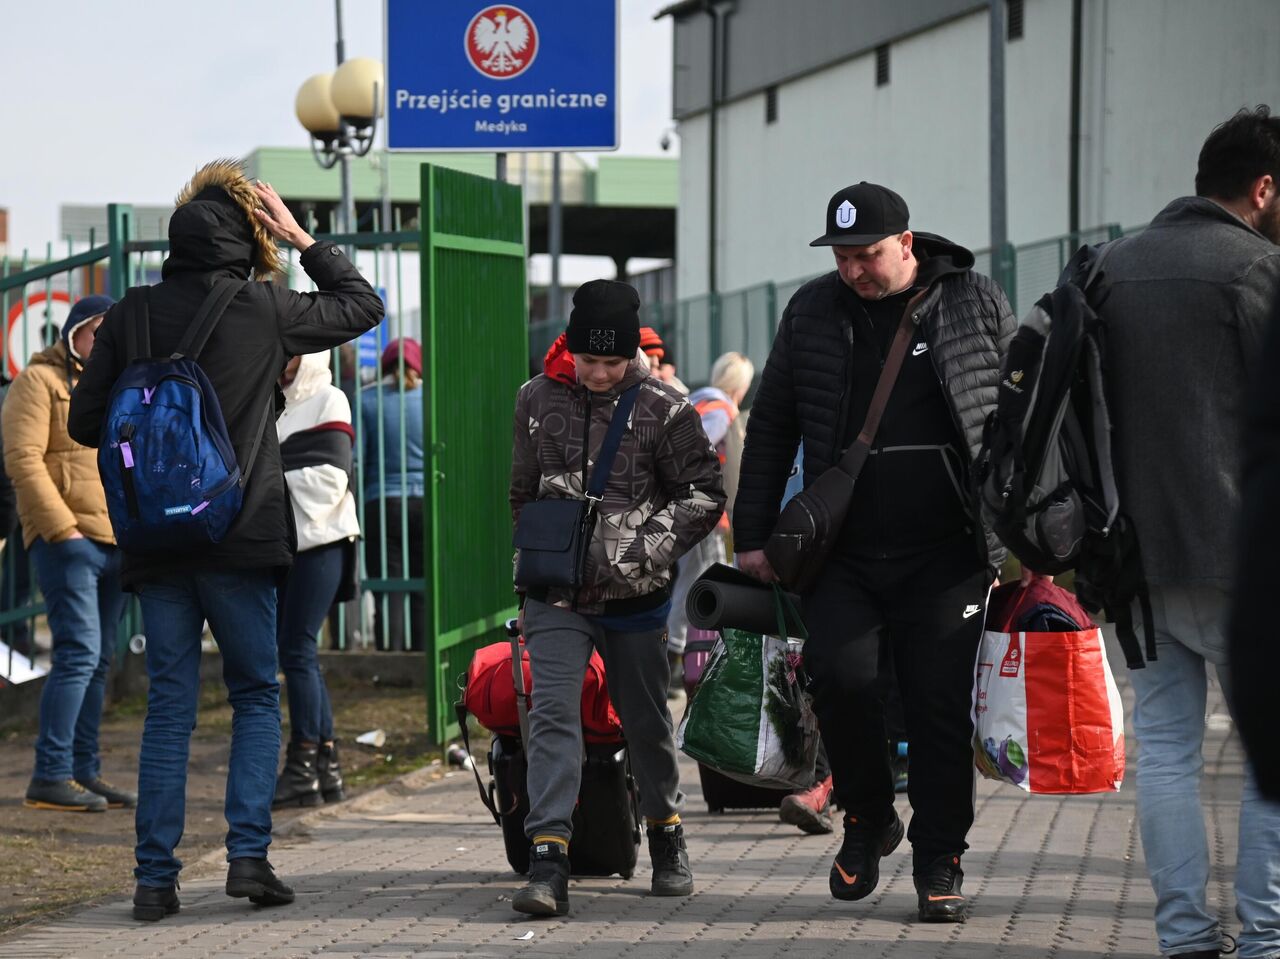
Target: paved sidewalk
419, 870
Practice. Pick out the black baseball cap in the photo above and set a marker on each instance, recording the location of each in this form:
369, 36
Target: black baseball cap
863, 214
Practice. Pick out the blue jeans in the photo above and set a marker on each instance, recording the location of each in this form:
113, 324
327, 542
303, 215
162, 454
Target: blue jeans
241, 609
304, 601
1169, 719
80, 580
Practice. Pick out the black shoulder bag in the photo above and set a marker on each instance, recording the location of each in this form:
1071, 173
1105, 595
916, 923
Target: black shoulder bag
553, 535
809, 524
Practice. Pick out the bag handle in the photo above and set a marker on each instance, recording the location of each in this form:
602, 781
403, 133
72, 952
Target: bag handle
783, 608
460, 708
856, 455
522, 694
612, 442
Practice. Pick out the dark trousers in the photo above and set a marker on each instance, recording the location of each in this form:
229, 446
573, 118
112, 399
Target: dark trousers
302, 602
393, 629
240, 607
926, 613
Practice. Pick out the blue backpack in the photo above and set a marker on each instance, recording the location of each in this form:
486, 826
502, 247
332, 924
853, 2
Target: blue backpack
164, 455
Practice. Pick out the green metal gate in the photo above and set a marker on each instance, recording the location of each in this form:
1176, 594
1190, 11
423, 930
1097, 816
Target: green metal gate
475, 345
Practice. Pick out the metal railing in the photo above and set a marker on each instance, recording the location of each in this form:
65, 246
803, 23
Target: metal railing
701, 328
436, 576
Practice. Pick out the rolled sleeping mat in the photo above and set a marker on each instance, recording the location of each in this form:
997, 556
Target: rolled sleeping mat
727, 598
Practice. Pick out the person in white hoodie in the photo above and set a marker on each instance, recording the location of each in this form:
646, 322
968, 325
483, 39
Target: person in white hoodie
316, 439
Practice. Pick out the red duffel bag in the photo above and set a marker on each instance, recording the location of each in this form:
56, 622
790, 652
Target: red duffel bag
490, 694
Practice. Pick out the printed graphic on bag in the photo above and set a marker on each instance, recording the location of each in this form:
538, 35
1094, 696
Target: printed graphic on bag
1012, 658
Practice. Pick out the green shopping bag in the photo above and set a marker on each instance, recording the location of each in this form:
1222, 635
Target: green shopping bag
750, 717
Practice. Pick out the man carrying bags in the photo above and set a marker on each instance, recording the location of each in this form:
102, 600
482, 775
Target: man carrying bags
910, 566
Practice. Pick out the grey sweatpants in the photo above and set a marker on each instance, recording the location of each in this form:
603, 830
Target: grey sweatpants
560, 643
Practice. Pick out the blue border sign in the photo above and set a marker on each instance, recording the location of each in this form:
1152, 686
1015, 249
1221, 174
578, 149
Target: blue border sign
493, 77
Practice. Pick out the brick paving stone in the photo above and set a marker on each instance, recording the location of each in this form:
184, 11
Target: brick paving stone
419, 871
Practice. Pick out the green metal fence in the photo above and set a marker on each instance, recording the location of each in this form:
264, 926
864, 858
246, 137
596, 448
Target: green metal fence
703, 327
474, 296
436, 553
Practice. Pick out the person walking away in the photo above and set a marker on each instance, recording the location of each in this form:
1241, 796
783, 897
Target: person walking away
662, 496
391, 460
63, 513
315, 446
223, 228
913, 565
717, 406
1186, 313
1254, 657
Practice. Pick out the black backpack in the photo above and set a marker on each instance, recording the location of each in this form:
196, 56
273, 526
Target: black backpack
1045, 476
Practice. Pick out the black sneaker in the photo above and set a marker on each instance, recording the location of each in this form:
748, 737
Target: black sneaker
856, 871
116, 798
152, 903
671, 873
255, 880
547, 891
63, 795
938, 891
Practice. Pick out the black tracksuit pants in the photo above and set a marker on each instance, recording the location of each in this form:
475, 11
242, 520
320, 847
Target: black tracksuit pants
926, 611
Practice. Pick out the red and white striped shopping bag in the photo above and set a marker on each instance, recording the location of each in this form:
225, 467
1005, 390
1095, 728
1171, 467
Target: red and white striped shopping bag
1046, 712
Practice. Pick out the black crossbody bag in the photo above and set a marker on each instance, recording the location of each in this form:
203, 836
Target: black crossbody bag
553, 535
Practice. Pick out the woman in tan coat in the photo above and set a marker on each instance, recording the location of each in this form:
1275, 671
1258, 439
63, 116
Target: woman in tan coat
65, 527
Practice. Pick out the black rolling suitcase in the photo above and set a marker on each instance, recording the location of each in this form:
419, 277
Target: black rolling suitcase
606, 820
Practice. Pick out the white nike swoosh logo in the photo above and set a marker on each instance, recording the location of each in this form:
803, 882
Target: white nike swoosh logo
920, 348
972, 611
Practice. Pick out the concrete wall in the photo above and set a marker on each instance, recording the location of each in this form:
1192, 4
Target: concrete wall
1157, 76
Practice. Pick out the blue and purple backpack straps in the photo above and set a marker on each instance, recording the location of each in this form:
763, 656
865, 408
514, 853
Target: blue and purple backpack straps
165, 457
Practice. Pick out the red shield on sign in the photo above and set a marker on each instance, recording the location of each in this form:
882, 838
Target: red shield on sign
501, 41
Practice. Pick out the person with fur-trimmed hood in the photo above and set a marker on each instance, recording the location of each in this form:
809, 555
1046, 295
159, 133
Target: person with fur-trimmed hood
663, 494
223, 227
316, 437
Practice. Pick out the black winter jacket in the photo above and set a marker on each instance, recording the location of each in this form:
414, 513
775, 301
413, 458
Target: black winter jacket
264, 326
804, 392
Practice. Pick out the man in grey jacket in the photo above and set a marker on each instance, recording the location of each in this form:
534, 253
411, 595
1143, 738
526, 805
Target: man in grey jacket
1186, 316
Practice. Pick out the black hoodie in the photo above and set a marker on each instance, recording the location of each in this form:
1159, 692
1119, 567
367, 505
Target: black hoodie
210, 238
910, 495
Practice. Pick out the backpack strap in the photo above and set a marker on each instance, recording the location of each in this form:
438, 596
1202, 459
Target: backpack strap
257, 439
137, 328
207, 317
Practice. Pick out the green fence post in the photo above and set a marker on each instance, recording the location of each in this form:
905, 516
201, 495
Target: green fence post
119, 222
1114, 231
771, 305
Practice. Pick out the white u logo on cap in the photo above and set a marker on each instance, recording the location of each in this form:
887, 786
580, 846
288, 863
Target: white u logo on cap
846, 213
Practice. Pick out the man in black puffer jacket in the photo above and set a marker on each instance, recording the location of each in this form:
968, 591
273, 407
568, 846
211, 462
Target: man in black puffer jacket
913, 564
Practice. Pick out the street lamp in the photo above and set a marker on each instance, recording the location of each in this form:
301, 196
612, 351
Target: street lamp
340, 110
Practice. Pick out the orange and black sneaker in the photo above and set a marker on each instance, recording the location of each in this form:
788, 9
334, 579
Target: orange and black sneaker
938, 890
856, 870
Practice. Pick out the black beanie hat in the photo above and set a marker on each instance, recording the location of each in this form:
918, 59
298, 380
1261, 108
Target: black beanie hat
605, 320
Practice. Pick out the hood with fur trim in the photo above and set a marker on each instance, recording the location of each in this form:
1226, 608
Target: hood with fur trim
213, 229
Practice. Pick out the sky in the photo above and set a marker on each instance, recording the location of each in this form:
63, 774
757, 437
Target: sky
121, 100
